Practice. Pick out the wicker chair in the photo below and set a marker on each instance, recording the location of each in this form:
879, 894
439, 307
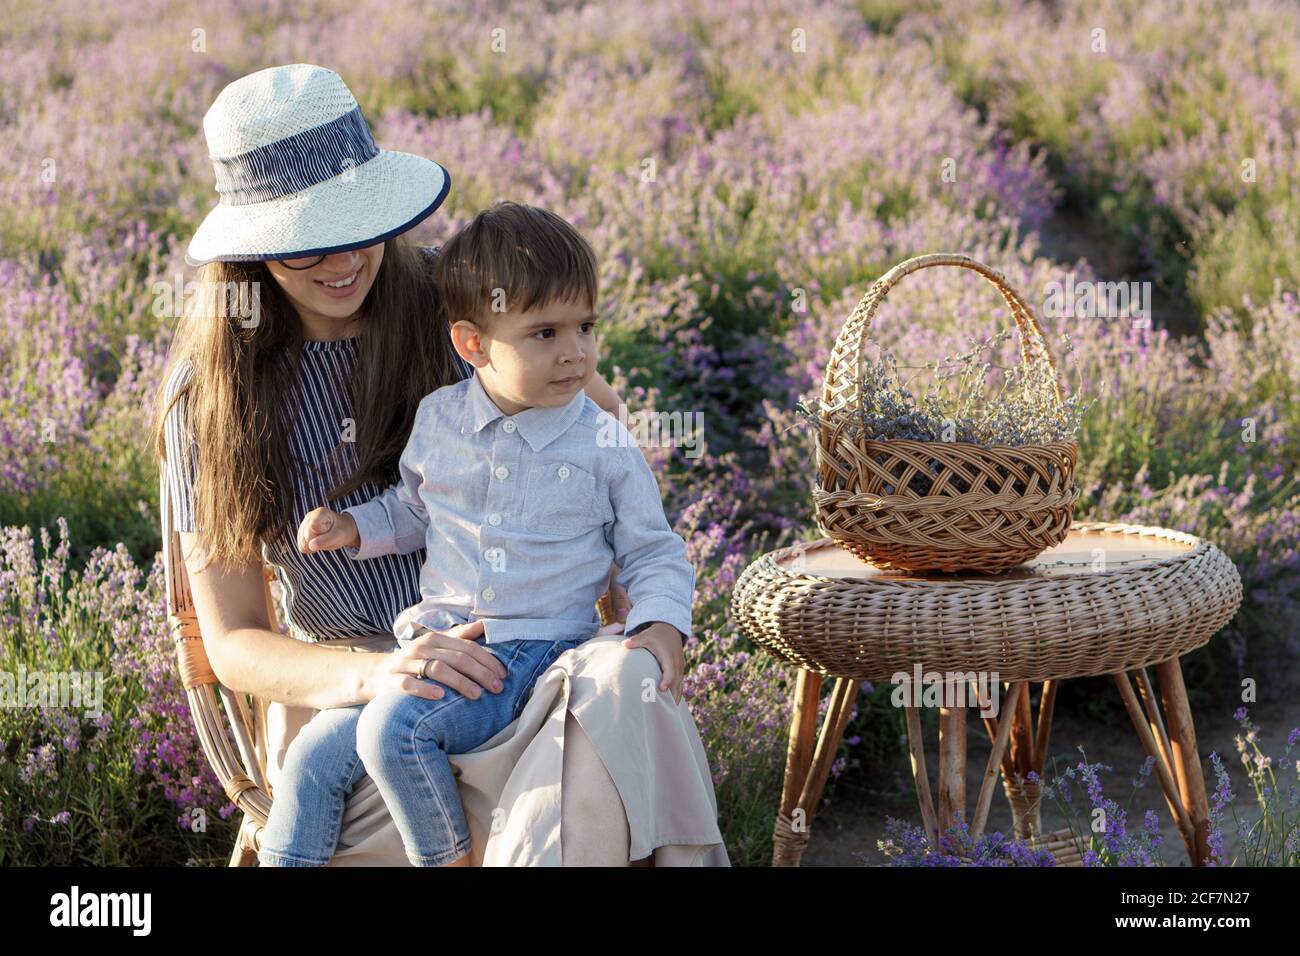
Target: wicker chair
233, 737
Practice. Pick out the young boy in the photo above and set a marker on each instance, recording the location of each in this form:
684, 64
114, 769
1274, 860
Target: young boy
522, 491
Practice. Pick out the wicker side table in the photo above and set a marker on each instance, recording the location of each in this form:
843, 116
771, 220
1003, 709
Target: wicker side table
1110, 599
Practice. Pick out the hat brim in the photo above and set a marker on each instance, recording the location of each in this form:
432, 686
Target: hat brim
371, 203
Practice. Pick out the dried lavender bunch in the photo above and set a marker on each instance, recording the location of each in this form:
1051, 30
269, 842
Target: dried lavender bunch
956, 406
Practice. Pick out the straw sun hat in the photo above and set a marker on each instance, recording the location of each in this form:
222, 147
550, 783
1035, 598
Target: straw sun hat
299, 173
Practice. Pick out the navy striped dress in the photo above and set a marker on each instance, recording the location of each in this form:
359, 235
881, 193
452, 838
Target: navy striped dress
327, 595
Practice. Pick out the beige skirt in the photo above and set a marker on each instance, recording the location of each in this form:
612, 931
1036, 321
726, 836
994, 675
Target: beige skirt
510, 786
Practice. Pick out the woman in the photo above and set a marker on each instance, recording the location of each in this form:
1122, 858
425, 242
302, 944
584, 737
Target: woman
295, 379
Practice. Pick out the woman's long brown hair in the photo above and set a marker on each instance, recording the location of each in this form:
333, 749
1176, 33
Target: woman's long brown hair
240, 396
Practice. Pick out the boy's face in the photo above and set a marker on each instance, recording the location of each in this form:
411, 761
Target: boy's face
537, 358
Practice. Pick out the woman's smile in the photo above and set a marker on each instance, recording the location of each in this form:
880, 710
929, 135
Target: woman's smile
343, 286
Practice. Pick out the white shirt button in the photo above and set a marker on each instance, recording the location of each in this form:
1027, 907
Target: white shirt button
508, 426
492, 553
502, 471
564, 472
489, 594
494, 519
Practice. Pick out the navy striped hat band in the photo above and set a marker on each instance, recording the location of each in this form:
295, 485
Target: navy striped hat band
296, 162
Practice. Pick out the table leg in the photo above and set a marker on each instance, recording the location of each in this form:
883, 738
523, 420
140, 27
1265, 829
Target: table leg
828, 742
1026, 752
790, 834
807, 770
1022, 733
952, 764
921, 776
1177, 764
1187, 762
998, 759
952, 761
1046, 707
1163, 765
1024, 795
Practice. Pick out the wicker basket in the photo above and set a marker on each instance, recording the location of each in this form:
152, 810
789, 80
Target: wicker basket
986, 507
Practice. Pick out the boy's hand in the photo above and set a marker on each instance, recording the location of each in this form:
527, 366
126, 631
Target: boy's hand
325, 530
665, 642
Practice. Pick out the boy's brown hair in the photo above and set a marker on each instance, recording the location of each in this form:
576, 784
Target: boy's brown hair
533, 255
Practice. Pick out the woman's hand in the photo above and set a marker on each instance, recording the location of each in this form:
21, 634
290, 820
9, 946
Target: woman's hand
459, 662
665, 642
326, 530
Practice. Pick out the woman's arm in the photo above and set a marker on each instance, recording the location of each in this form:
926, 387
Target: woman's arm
603, 394
247, 656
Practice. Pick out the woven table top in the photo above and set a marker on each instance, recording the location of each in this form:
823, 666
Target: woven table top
1110, 597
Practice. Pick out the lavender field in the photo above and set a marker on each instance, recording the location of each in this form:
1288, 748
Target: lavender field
743, 170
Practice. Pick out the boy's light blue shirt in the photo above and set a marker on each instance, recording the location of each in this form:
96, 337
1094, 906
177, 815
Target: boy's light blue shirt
521, 516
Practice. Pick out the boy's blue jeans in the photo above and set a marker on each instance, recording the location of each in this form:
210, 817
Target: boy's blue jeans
402, 742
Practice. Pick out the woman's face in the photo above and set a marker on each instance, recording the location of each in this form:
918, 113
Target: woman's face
329, 294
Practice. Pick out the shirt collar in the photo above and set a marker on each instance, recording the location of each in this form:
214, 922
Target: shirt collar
538, 425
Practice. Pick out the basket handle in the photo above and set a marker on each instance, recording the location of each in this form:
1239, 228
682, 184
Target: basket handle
844, 370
